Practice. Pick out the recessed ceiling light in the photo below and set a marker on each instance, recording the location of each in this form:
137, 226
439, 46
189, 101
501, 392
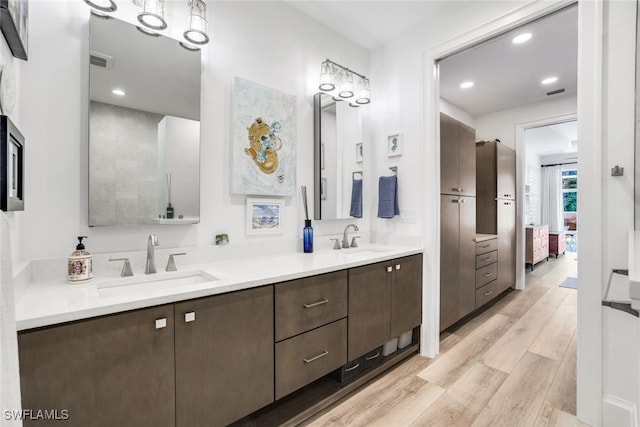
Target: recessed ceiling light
118, 92
466, 85
521, 38
549, 80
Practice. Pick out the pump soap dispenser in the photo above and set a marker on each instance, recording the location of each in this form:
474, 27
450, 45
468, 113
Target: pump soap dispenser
80, 264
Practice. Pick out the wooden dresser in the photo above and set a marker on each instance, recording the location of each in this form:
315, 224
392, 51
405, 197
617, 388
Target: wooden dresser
537, 244
557, 243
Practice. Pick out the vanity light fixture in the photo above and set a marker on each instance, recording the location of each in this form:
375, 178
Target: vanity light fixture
189, 47
143, 30
338, 81
102, 5
521, 38
466, 85
549, 80
196, 32
152, 15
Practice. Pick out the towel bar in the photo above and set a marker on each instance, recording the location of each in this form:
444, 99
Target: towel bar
394, 169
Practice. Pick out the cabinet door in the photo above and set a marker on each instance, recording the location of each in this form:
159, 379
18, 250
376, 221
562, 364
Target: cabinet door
116, 370
369, 308
506, 172
506, 244
467, 249
449, 155
467, 160
449, 260
406, 294
224, 357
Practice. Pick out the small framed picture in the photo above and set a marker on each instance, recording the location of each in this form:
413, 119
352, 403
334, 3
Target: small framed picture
359, 152
323, 188
264, 216
394, 147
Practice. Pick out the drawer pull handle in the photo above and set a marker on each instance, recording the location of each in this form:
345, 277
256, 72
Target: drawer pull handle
389, 269
190, 317
161, 323
352, 368
486, 294
487, 259
485, 246
375, 356
323, 354
315, 304
487, 274
397, 266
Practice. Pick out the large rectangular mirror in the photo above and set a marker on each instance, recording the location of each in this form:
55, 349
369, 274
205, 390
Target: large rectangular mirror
338, 157
144, 127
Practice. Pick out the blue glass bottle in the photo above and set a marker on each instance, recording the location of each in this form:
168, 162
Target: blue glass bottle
307, 236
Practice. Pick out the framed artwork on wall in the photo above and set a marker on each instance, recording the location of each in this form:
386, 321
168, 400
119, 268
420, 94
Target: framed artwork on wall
359, 153
14, 23
394, 144
264, 140
264, 216
12, 166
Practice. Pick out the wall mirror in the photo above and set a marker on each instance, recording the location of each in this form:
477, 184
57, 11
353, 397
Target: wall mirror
144, 127
338, 156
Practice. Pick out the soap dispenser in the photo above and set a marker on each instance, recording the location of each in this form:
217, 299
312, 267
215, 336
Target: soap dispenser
79, 267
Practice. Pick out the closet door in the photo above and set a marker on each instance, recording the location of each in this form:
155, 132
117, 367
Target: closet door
467, 160
449, 155
449, 260
506, 172
506, 244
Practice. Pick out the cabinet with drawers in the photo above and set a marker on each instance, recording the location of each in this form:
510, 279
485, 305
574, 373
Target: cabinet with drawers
537, 244
310, 329
557, 243
486, 271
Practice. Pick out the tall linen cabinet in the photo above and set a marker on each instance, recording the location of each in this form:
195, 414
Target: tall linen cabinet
457, 220
496, 204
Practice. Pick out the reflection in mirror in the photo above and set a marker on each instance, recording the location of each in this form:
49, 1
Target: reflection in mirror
144, 127
338, 157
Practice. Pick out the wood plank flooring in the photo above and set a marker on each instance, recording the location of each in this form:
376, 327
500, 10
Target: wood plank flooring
514, 364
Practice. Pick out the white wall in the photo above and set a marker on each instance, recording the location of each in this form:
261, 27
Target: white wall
252, 40
457, 113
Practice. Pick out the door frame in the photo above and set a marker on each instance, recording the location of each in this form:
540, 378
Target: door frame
590, 73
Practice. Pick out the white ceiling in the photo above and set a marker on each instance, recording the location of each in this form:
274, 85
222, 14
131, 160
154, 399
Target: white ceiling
554, 139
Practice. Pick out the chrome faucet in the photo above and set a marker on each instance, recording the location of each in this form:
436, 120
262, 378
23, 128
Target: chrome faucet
151, 259
345, 237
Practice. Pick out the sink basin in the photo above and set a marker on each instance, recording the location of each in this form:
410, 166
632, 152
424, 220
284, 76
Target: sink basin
153, 282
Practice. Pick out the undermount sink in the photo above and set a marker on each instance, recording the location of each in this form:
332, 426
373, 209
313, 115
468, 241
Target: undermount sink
153, 282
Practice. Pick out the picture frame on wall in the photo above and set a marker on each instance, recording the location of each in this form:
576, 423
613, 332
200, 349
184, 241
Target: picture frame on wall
14, 23
12, 166
394, 144
264, 216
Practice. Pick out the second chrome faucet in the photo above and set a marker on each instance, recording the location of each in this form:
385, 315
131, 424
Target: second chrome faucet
345, 236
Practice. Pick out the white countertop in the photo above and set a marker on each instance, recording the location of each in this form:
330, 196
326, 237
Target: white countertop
51, 302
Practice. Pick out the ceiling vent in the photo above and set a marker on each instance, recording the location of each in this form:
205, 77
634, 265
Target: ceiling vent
555, 92
101, 60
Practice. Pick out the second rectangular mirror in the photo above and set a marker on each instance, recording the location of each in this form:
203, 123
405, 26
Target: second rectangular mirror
338, 156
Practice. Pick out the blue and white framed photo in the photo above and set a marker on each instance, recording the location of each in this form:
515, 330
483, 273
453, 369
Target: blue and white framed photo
264, 216
394, 147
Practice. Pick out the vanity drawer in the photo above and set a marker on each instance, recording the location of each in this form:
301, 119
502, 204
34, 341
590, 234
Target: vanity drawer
305, 304
307, 357
486, 246
486, 293
486, 259
486, 274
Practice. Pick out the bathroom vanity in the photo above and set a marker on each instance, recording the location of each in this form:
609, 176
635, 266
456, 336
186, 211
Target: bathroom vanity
259, 345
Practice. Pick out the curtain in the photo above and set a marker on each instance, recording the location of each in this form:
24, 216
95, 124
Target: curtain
551, 197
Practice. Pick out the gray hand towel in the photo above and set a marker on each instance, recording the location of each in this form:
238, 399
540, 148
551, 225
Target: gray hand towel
388, 197
356, 199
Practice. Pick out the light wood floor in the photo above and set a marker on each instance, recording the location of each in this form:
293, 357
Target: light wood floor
512, 365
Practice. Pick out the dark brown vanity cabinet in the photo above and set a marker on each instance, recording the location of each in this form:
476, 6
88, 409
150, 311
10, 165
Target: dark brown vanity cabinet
385, 300
204, 362
116, 370
224, 357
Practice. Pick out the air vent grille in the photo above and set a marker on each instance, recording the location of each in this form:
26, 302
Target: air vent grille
101, 60
555, 92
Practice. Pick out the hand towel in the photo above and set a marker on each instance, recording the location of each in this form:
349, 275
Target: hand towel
356, 199
388, 197
9, 373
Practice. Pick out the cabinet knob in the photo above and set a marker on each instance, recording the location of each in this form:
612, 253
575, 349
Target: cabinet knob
161, 323
389, 269
461, 200
397, 266
487, 274
486, 294
190, 317
455, 201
